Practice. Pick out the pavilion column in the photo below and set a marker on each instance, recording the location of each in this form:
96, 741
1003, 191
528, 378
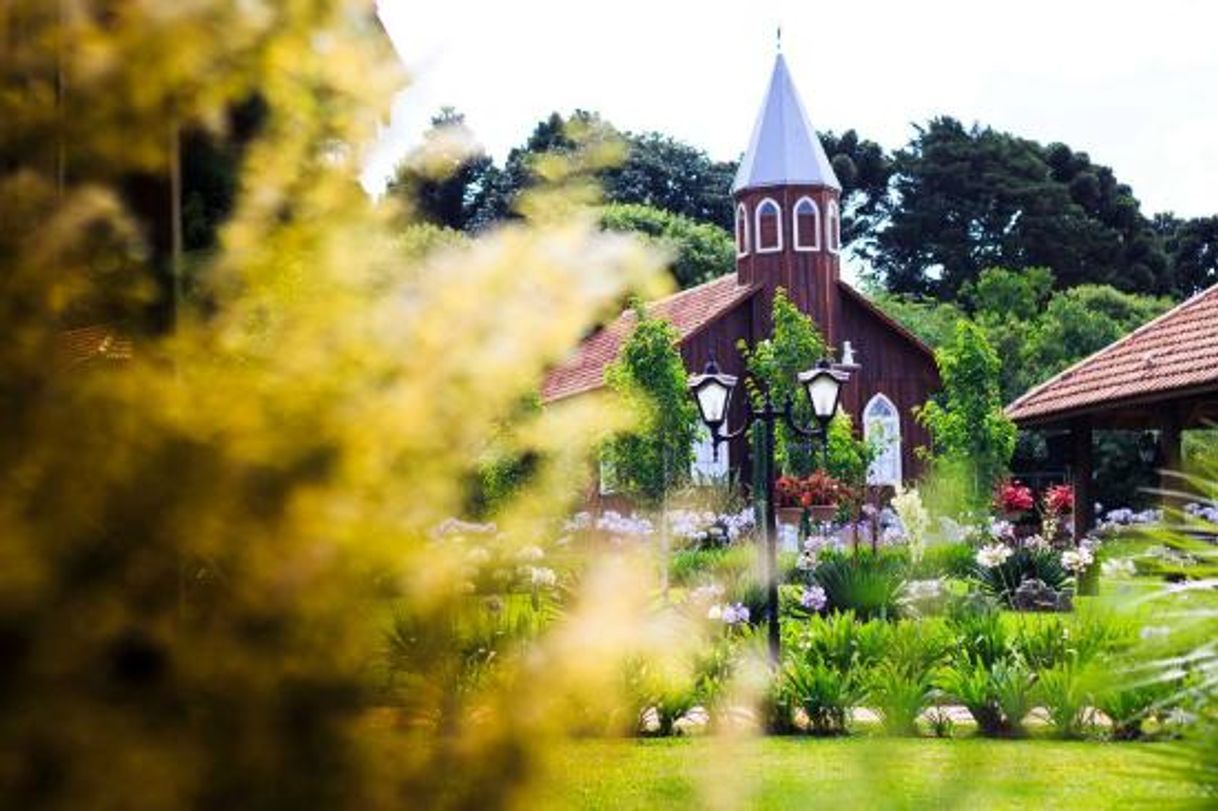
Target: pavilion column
1171, 428
1080, 471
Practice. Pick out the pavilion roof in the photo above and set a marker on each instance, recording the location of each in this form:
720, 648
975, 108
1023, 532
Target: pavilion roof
1175, 354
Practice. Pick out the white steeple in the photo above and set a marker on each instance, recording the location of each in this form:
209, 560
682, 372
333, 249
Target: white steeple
784, 148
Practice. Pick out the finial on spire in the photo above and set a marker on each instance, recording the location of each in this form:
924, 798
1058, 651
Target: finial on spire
780, 37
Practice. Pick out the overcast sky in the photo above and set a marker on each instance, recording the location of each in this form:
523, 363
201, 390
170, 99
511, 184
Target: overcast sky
1135, 84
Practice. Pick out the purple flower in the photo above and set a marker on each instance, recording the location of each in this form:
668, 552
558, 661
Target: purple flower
813, 598
735, 614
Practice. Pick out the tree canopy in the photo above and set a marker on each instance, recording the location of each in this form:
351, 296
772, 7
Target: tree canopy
655, 456
700, 251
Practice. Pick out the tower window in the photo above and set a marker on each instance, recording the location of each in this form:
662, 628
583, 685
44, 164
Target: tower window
833, 228
806, 220
882, 428
742, 231
769, 226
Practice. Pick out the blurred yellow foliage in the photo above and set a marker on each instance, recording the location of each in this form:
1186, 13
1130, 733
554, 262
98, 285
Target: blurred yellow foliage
197, 546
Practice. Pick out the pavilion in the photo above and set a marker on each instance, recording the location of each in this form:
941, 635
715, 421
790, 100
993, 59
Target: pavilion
1162, 377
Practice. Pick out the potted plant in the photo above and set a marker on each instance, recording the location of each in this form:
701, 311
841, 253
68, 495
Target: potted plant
821, 496
789, 507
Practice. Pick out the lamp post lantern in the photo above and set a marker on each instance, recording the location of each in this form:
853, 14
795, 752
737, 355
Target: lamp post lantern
712, 390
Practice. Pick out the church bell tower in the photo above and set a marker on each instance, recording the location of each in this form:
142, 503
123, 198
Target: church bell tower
787, 203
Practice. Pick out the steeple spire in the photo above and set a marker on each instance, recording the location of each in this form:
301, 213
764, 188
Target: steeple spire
784, 149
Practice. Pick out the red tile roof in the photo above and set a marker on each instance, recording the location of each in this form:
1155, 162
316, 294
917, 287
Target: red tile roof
689, 311
96, 342
1178, 351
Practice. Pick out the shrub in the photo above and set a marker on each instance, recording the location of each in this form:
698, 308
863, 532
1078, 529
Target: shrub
1012, 683
868, 584
824, 694
980, 635
1061, 691
1129, 706
968, 680
840, 641
900, 694
1002, 580
945, 560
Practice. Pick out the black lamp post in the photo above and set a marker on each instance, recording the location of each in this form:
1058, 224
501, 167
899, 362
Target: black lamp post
713, 392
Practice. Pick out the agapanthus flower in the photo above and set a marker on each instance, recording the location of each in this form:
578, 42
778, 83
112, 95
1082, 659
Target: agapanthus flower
992, 555
813, 598
1001, 530
736, 614
1077, 560
692, 721
1037, 542
542, 576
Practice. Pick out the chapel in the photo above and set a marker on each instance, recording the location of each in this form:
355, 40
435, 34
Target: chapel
788, 235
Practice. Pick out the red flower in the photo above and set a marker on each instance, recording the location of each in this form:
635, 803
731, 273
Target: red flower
814, 490
1059, 499
1013, 497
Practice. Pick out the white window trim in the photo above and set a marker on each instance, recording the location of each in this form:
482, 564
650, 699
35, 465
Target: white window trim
742, 231
757, 226
799, 246
892, 429
833, 227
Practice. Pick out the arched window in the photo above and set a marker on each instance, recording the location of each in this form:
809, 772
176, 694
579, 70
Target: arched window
705, 468
833, 228
742, 231
882, 428
769, 227
806, 222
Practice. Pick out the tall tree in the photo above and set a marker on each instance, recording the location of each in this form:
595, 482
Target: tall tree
655, 456
441, 182
1193, 248
701, 251
663, 172
971, 434
970, 198
865, 172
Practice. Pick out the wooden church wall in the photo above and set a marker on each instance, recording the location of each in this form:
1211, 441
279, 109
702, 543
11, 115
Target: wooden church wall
891, 365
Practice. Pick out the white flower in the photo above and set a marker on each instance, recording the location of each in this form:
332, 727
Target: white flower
806, 562
715, 612
1118, 568
649, 721
992, 555
800, 719
1077, 560
1037, 542
542, 576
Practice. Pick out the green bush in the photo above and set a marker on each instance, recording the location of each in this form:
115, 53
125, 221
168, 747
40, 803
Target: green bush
900, 694
840, 641
968, 681
945, 560
1024, 564
981, 635
867, 584
1130, 706
1061, 690
825, 694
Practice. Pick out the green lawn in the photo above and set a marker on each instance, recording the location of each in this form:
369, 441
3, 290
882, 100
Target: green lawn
855, 773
